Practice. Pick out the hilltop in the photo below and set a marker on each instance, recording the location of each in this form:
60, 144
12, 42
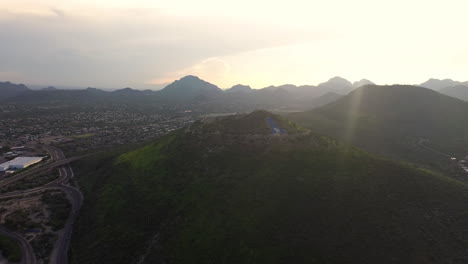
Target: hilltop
228, 190
255, 123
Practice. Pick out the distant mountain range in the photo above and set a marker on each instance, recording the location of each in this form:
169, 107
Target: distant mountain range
436, 84
191, 89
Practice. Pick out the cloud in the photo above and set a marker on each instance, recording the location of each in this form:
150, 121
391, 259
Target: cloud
11, 76
116, 48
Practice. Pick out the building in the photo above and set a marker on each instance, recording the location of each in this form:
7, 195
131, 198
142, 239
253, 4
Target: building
19, 163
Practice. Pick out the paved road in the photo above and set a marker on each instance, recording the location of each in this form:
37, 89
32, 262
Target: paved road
59, 254
36, 170
27, 253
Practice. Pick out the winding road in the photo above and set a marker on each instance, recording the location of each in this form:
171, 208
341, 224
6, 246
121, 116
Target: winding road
27, 252
59, 253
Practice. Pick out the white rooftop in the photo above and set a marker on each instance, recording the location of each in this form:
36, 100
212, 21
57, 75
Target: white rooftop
21, 161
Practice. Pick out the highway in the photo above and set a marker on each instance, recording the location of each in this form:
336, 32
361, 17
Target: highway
36, 170
59, 253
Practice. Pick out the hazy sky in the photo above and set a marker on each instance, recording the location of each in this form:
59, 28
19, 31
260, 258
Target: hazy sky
119, 43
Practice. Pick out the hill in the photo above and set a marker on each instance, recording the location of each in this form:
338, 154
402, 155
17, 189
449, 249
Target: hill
9, 90
459, 91
393, 121
229, 191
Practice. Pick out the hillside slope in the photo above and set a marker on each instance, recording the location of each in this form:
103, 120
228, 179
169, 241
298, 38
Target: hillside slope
392, 120
216, 194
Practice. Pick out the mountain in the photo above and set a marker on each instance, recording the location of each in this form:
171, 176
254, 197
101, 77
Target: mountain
10, 90
239, 88
394, 120
189, 88
436, 84
338, 85
459, 91
362, 83
226, 190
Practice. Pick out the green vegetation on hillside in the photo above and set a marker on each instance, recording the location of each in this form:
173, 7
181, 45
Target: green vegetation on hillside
9, 249
198, 198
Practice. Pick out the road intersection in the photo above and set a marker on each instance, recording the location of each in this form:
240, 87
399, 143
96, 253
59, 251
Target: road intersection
59, 253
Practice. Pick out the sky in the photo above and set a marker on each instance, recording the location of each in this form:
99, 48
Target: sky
149, 43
